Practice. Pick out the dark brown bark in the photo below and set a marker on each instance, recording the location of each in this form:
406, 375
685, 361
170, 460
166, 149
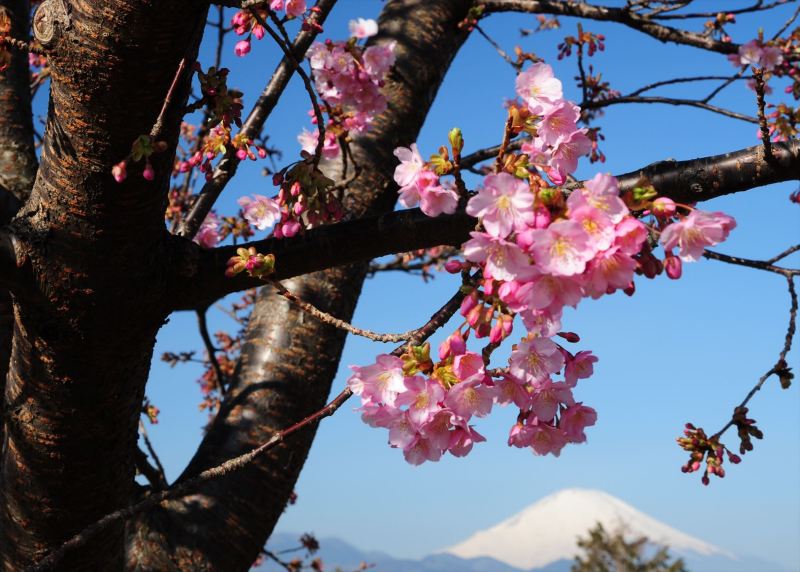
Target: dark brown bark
17, 163
202, 280
17, 152
85, 330
290, 359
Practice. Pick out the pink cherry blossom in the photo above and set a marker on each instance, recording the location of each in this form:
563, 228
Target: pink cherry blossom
543, 323
421, 450
380, 382
295, 8
261, 212
503, 260
579, 366
559, 122
546, 439
410, 167
469, 398
511, 390
574, 419
596, 224
563, 248
608, 271
462, 438
695, 232
469, 367
437, 430
630, 235
538, 87
208, 235
403, 431
552, 293
435, 199
422, 397
363, 28
535, 359
565, 155
378, 60
308, 141
602, 193
547, 397
504, 203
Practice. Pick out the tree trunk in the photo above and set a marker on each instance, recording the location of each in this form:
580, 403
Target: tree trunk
85, 325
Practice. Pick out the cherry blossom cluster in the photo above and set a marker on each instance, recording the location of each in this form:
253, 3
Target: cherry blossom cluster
557, 143
248, 21
538, 249
348, 78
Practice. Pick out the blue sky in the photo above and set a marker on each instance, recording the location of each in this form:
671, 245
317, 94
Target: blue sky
677, 351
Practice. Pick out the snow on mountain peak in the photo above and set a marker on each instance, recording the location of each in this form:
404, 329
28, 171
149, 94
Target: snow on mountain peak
547, 531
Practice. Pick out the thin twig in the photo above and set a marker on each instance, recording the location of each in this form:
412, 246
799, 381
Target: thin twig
152, 452
765, 265
287, 50
672, 101
155, 132
202, 324
784, 254
780, 364
656, 84
501, 52
769, 156
336, 322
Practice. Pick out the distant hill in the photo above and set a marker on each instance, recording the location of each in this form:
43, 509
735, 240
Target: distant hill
540, 538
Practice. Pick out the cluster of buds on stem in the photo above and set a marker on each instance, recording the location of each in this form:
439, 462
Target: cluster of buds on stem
702, 447
251, 261
142, 149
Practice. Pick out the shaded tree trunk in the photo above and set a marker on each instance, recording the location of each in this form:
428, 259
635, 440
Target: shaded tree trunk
86, 322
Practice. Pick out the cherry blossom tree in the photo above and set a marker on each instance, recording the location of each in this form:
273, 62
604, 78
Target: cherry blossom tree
90, 271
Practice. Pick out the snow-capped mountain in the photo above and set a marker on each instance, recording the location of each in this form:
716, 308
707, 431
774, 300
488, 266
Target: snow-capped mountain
540, 538
547, 531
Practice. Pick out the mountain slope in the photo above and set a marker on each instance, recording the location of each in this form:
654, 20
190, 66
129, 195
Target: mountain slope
547, 530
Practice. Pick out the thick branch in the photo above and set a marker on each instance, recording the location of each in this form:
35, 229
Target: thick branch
320, 248
609, 14
689, 181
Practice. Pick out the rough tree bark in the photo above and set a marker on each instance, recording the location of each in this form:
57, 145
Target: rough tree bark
94, 255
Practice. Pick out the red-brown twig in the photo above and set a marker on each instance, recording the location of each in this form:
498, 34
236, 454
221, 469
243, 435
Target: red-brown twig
780, 367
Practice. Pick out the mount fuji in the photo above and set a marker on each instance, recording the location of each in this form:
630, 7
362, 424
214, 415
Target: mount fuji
547, 532
541, 538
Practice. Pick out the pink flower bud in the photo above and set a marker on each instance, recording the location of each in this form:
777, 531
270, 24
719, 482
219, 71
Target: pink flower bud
468, 303
120, 171
663, 207
291, 228
571, 337
295, 190
241, 154
673, 266
148, 173
453, 267
242, 48
262, 153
